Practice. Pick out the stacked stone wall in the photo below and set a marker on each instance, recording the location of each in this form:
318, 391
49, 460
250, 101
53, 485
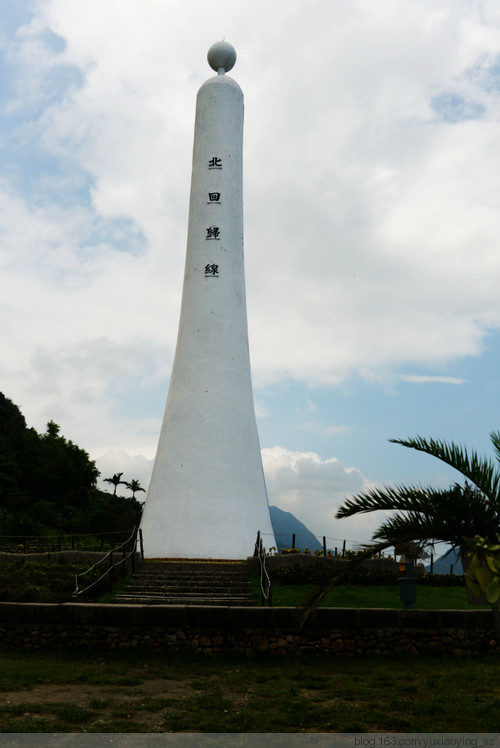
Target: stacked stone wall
249, 631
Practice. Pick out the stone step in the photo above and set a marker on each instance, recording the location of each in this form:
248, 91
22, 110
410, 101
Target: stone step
165, 585
188, 583
224, 581
191, 593
193, 574
188, 565
202, 582
185, 600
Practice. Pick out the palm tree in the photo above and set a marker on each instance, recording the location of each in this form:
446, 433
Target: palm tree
427, 515
116, 481
437, 515
135, 486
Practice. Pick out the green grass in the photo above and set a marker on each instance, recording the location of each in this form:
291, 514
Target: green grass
23, 580
359, 596
429, 597
231, 694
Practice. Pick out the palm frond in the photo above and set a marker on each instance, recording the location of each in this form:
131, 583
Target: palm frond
396, 497
426, 514
495, 439
482, 472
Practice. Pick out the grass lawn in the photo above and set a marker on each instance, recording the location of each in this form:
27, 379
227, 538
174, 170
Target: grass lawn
361, 596
158, 692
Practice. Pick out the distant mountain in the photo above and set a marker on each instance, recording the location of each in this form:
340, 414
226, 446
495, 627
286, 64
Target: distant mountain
285, 525
445, 563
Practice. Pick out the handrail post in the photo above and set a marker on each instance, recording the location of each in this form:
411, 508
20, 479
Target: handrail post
134, 548
111, 570
256, 549
141, 543
260, 552
109, 565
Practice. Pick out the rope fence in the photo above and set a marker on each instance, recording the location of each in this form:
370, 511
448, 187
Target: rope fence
55, 543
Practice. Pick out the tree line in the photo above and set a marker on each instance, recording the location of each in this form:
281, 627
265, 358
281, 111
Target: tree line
49, 485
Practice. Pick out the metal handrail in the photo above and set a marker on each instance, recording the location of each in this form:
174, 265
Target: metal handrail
265, 580
132, 540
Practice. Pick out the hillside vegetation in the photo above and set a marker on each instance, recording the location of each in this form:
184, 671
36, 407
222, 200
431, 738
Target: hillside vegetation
48, 485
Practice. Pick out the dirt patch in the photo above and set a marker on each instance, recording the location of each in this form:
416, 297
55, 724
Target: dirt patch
145, 706
84, 695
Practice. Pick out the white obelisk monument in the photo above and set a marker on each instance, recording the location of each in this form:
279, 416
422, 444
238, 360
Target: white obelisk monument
207, 497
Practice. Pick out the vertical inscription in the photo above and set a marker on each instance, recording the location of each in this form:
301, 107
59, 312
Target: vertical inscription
213, 232
211, 270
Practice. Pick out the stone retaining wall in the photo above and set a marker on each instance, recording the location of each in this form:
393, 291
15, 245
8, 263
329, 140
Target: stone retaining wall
249, 631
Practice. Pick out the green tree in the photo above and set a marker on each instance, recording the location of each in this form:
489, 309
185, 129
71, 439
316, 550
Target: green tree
12, 459
466, 516
52, 430
427, 514
48, 484
116, 481
61, 472
135, 486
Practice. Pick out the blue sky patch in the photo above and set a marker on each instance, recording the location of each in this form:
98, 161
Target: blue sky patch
451, 107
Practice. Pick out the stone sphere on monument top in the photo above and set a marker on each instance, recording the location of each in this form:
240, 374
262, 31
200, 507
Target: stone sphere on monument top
221, 55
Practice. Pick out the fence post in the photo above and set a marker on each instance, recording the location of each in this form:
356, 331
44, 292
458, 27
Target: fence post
324, 546
343, 549
293, 541
432, 563
141, 543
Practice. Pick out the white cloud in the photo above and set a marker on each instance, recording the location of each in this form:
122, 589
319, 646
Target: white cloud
371, 219
426, 379
133, 467
313, 489
298, 482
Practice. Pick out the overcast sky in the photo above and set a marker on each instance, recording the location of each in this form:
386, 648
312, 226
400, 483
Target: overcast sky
372, 228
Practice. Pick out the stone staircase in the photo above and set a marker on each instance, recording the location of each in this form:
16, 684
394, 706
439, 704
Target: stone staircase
188, 582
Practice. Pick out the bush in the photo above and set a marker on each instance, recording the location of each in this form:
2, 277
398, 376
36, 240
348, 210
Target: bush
32, 582
295, 573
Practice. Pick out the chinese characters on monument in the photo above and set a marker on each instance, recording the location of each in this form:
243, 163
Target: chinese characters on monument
212, 270
213, 232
